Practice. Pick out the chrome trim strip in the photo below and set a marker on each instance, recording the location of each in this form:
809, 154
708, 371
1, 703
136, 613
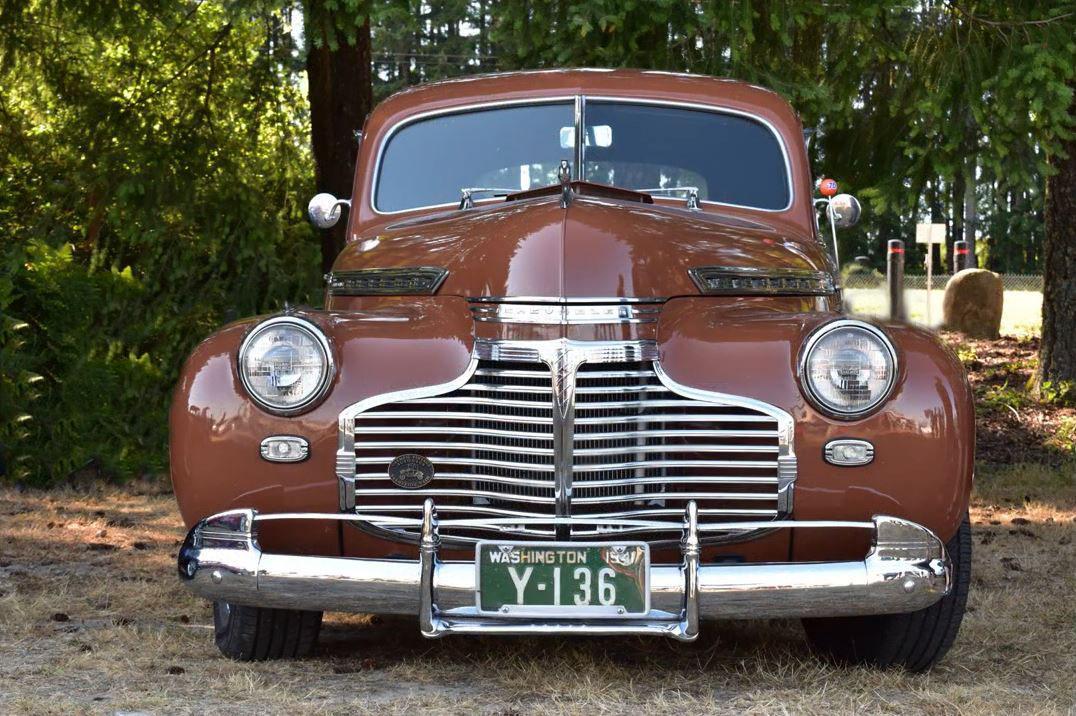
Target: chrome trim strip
564, 313
506, 517
746, 281
579, 111
906, 569
397, 281
567, 299
580, 136
327, 374
588, 351
741, 526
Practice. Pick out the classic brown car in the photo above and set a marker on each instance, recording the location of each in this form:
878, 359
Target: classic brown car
583, 368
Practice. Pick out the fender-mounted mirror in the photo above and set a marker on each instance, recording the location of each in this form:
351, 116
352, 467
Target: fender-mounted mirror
844, 211
324, 210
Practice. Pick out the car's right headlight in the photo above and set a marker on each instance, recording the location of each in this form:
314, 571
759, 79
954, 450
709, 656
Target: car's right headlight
285, 364
847, 368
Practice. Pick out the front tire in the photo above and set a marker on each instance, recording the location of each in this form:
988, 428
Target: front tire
915, 641
256, 634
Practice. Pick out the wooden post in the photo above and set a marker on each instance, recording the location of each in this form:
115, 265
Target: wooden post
895, 279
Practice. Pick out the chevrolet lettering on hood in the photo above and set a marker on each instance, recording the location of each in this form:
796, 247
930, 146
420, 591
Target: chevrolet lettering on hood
584, 366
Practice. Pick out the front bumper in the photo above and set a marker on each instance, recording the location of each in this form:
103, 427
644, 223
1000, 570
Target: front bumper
906, 569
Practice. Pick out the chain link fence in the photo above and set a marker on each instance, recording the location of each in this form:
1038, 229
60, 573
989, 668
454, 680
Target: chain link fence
1022, 314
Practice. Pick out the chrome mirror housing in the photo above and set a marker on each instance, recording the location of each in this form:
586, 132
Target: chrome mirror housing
324, 210
844, 211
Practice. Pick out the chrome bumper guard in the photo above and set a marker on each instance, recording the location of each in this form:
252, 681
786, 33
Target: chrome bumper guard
906, 569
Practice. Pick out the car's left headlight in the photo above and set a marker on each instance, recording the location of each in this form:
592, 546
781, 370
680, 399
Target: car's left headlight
285, 364
847, 368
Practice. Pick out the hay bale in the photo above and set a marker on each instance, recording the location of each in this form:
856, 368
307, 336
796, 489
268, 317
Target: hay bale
973, 302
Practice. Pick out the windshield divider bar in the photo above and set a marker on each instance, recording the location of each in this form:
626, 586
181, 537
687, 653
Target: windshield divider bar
580, 135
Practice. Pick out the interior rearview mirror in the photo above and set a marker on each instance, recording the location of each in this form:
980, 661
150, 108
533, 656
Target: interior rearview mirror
567, 137
598, 135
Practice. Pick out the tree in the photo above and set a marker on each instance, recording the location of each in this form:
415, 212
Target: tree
1057, 353
155, 171
341, 95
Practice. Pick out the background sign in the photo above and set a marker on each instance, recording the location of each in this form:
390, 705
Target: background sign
929, 234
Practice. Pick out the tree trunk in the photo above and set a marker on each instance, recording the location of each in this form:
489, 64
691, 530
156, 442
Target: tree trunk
971, 212
957, 232
937, 216
341, 95
1057, 353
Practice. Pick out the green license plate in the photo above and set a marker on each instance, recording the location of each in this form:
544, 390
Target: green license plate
546, 579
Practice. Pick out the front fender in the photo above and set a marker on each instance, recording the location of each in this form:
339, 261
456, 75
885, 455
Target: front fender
216, 430
923, 435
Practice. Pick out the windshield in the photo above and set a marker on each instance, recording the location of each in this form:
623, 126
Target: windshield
723, 157
429, 162
726, 157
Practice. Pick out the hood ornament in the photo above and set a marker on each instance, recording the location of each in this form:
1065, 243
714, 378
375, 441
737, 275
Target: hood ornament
564, 173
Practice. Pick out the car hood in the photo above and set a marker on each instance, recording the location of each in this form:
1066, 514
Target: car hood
596, 247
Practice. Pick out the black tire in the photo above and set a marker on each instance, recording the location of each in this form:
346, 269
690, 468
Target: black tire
257, 634
915, 641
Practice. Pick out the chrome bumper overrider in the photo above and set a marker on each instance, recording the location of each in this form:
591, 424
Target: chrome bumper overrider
906, 569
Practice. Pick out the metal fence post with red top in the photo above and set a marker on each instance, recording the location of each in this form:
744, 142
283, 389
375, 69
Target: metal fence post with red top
961, 255
895, 279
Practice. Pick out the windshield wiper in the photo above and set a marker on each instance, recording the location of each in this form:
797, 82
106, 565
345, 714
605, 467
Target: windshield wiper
467, 192
692, 193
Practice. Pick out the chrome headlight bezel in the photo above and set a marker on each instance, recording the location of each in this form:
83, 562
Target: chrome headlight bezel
808, 389
328, 370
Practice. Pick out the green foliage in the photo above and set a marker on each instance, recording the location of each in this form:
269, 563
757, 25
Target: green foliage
415, 41
1064, 437
156, 158
156, 174
1004, 397
966, 354
858, 272
1061, 392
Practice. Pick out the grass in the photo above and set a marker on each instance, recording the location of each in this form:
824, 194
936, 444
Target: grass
1021, 315
88, 628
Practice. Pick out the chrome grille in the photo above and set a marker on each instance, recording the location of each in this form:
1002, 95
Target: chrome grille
641, 448
491, 442
646, 451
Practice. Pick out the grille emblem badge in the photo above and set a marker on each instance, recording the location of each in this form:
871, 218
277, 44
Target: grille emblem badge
411, 471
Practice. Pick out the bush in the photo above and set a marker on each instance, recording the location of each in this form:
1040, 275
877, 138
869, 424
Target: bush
856, 275
147, 198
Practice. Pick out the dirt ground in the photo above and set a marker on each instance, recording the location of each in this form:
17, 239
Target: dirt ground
92, 619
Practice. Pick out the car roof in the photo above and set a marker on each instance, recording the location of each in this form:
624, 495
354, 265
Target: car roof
591, 82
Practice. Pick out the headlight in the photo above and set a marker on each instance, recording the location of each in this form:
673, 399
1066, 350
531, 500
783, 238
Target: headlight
847, 368
285, 364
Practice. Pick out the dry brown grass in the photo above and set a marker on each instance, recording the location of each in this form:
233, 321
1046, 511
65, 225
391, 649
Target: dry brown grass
88, 628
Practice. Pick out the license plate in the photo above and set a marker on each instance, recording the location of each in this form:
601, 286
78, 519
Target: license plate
543, 579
